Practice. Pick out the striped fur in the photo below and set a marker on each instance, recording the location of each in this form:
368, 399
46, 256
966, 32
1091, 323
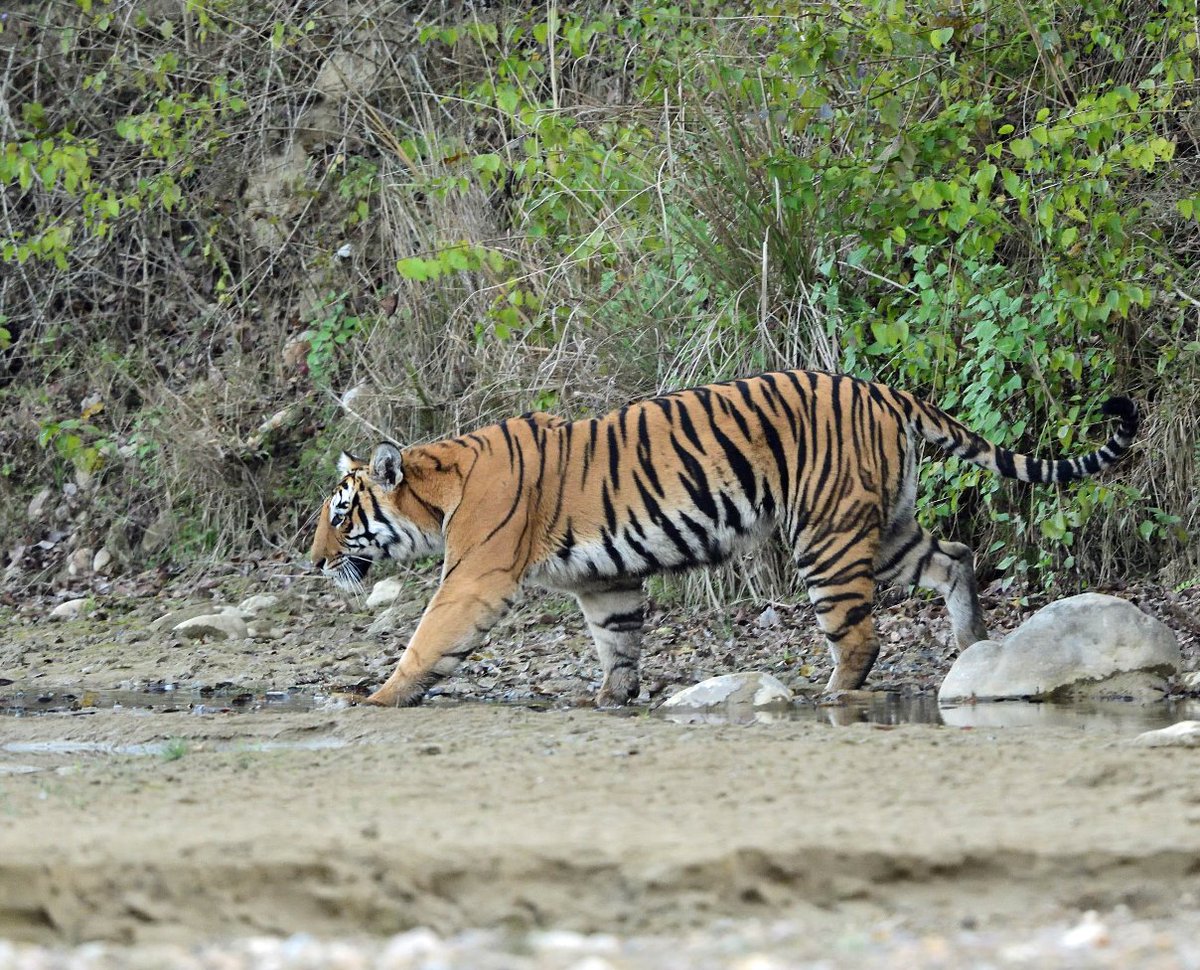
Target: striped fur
686, 479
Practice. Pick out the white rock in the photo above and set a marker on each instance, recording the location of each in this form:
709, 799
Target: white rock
219, 626
38, 504
1182, 734
747, 689
414, 944
79, 562
258, 604
1190, 680
384, 593
102, 561
1089, 932
68, 609
768, 618
169, 621
1087, 644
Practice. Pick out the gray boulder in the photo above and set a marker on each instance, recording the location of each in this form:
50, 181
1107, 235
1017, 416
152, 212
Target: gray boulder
1086, 645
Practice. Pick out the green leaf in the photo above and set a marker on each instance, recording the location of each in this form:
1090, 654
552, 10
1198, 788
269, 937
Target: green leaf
938, 38
414, 268
486, 163
1021, 148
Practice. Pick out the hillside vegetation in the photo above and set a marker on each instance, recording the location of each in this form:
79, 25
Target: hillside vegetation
238, 236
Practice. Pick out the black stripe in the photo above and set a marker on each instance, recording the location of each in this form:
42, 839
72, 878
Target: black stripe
655, 512
614, 458
646, 455
630, 620
1005, 464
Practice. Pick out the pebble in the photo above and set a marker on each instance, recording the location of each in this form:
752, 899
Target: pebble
259, 603
218, 626
68, 610
384, 593
1088, 940
80, 561
38, 504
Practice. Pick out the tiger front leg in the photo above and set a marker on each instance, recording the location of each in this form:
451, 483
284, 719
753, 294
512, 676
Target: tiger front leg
614, 618
454, 622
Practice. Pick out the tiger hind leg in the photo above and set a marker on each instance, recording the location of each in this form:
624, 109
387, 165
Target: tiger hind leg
841, 586
614, 618
910, 555
844, 615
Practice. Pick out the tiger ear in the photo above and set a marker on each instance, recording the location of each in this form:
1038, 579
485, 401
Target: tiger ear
385, 466
346, 463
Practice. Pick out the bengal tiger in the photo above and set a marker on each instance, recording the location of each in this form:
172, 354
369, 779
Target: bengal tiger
593, 507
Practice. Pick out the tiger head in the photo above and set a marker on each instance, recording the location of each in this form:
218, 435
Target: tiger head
372, 514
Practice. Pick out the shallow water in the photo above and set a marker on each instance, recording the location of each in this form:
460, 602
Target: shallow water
166, 700
878, 708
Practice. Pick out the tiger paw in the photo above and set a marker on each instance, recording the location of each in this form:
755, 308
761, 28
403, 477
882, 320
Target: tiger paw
617, 694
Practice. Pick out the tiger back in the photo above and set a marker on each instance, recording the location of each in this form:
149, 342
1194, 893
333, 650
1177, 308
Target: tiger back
688, 479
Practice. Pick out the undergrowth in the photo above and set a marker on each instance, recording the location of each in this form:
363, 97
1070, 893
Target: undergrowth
239, 236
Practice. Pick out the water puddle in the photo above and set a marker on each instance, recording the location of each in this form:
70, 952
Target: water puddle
166, 700
173, 748
878, 708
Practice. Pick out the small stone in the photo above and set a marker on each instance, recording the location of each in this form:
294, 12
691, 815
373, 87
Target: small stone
217, 626
169, 621
387, 621
1182, 734
68, 609
1090, 932
409, 947
37, 505
102, 562
384, 593
768, 618
747, 689
258, 604
79, 562
1190, 681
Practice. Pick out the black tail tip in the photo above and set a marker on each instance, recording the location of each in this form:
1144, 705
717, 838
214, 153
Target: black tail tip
1123, 408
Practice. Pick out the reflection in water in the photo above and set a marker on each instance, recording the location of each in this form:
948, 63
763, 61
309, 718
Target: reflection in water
868, 707
853, 707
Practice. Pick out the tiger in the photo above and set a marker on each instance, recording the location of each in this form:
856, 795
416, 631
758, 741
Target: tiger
593, 507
